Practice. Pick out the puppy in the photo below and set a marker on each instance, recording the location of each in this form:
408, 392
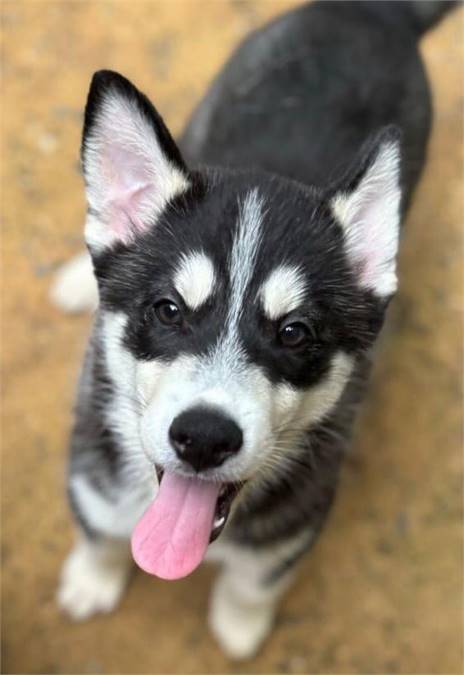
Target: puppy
243, 278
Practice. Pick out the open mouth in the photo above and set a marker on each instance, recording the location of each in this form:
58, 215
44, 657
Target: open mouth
226, 496
188, 513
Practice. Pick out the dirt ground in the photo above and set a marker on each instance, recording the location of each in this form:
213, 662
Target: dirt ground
382, 591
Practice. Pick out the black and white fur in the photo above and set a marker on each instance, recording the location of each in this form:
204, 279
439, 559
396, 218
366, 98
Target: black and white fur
284, 207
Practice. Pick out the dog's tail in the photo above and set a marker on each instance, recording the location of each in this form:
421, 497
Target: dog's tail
74, 288
425, 14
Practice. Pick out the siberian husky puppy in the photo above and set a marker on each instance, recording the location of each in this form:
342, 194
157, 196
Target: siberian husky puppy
243, 278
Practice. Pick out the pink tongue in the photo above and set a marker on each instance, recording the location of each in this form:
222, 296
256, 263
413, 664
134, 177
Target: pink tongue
171, 538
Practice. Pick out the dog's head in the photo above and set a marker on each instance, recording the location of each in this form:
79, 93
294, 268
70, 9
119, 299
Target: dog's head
234, 303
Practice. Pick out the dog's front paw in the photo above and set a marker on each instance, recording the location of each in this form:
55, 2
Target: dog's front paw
88, 585
240, 628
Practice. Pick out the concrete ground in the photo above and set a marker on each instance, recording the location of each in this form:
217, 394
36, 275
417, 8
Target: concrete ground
382, 591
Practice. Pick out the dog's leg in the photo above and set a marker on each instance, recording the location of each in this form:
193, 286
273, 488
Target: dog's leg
242, 611
245, 596
94, 576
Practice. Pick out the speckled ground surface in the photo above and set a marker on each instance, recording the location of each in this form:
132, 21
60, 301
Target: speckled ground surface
382, 591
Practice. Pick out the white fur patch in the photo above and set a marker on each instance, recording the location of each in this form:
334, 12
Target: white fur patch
243, 602
283, 291
117, 516
244, 251
194, 280
370, 218
129, 179
123, 413
75, 288
93, 578
227, 356
320, 399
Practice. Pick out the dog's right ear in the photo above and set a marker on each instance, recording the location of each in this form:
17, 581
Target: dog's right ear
367, 205
132, 167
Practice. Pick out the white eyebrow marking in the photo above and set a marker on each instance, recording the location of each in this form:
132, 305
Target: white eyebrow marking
194, 280
283, 291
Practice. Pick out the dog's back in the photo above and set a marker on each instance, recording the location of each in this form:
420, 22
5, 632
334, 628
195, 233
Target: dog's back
299, 97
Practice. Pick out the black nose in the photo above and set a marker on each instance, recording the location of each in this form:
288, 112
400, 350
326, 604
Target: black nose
204, 437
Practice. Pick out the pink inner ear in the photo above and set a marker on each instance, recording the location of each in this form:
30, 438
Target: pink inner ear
372, 238
370, 245
124, 209
129, 188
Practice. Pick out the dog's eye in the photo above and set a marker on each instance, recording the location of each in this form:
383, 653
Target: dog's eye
168, 312
293, 334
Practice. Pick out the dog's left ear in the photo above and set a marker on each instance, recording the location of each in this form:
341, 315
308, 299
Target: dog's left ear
132, 167
367, 206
